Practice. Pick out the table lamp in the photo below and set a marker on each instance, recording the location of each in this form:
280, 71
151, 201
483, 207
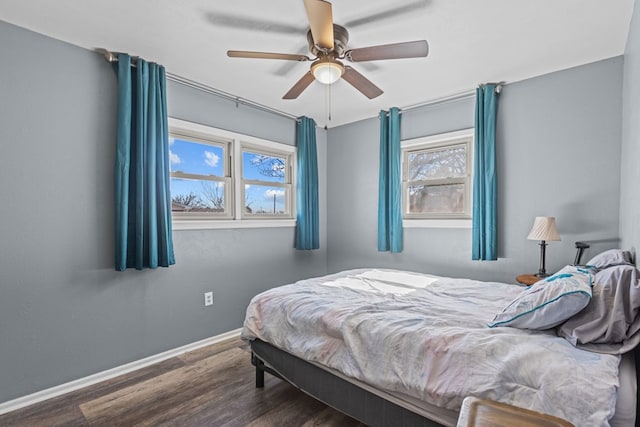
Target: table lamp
544, 229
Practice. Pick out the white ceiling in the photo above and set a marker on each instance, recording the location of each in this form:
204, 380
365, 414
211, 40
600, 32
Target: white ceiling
470, 42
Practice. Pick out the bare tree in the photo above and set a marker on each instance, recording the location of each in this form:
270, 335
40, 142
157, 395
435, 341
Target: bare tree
446, 163
213, 193
270, 166
443, 163
190, 200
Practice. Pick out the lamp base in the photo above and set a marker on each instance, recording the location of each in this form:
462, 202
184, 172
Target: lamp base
542, 275
542, 272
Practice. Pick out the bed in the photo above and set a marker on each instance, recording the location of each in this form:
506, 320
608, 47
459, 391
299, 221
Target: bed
392, 347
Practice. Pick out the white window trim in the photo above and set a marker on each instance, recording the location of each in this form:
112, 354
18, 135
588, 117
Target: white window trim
235, 142
275, 149
435, 140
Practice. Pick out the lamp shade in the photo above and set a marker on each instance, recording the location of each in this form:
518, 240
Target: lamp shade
544, 228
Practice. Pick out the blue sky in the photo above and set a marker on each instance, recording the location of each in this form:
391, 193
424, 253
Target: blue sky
201, 159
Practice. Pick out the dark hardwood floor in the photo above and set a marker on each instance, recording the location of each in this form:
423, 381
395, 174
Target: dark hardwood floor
211, 386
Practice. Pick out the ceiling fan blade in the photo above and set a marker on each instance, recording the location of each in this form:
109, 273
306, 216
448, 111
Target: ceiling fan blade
288, 66
387, 13
236, 22
320, 17
389, 51
266, 55
300, 86
361, 83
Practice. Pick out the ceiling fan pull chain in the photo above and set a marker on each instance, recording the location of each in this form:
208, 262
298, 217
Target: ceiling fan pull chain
327, 99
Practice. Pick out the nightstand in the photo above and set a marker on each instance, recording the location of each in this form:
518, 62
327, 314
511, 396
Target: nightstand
527, 279
477, 412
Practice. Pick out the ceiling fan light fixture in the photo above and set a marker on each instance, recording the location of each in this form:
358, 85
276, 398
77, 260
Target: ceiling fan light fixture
327, 71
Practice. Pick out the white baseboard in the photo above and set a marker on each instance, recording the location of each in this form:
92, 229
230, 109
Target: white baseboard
61, 389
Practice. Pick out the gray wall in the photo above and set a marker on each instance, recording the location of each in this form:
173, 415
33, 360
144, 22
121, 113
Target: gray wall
630, 171
558, 143
64, 312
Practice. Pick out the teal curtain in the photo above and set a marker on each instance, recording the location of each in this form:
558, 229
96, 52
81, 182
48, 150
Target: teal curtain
390, 183
307, 220
485, 203
142, 198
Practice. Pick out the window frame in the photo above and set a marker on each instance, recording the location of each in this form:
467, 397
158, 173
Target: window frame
214, 141
234, 198
270, 150
436, 142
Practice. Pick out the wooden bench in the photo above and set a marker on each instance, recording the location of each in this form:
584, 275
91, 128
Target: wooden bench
488, 413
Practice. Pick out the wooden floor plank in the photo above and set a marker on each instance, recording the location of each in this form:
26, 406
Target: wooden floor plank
211, 386
164, 391
65, 410
212, 350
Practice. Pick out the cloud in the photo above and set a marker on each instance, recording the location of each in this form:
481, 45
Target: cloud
174, 158
211, 158
270, 193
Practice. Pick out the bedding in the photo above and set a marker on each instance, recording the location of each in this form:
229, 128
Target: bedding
610, 258
427, 337
610, 322
548, 302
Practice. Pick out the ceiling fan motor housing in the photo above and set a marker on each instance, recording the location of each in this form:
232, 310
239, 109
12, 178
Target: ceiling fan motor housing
340, 40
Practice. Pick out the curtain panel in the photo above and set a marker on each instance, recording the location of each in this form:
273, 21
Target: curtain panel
142, 198
307, 219
485, 203
390, 183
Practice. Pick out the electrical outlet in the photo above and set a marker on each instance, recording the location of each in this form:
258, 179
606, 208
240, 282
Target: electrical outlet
208, 298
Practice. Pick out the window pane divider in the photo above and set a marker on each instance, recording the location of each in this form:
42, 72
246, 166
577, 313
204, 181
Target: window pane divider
440, 181
198, 177
266, 183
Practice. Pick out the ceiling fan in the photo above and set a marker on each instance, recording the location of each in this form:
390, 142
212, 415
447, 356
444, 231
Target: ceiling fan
328, 43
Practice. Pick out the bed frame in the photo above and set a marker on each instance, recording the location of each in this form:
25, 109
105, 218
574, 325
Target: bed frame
344, 396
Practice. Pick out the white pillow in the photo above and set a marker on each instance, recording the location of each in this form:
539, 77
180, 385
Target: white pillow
610, 258
548, 302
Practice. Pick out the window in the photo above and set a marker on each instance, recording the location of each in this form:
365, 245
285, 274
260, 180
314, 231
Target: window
221, 179
200, 176
436, 176
266, 183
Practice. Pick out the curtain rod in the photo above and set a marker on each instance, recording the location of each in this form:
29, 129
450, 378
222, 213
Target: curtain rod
113, 57
450, 98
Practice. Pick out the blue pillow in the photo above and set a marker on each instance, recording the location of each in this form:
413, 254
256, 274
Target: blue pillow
549, 302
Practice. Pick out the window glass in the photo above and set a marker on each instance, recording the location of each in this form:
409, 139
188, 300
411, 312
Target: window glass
263, 167
196, 157
266, 178
265, 200
436, 176
446, 198
199, 181
445, 162
193, 195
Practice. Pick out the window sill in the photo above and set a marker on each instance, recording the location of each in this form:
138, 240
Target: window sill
179, 225
436, 223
